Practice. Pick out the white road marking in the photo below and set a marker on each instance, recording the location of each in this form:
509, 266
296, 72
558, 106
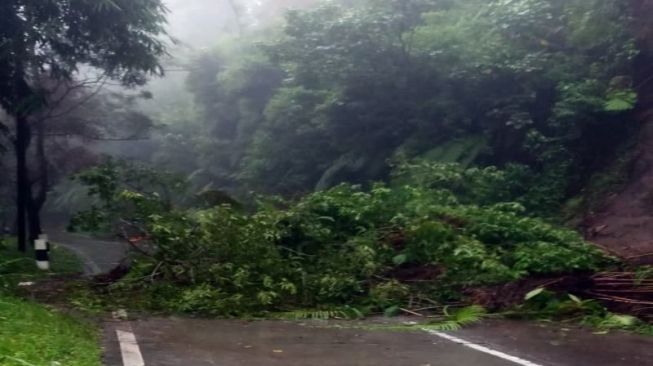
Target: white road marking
129, 349
131, 353
478, 347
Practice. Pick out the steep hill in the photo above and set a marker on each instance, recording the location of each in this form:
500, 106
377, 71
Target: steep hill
624, 224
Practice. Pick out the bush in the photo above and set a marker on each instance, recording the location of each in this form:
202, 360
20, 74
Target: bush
343, 246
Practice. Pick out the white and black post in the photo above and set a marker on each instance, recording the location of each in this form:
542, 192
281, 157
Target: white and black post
42, 257
47, 241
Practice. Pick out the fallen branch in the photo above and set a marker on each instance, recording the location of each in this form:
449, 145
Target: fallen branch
412, 312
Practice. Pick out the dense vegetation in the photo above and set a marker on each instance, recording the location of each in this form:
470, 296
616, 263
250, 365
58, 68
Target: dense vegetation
421, 148
338, 91
373, 249
398, 150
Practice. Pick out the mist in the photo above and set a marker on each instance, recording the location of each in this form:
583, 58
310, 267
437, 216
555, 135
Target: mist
319, 159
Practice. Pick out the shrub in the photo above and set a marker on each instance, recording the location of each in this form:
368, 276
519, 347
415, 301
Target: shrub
343, 246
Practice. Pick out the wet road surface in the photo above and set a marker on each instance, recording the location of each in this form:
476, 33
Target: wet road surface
557, 344
174, 342
98, 256
198, 342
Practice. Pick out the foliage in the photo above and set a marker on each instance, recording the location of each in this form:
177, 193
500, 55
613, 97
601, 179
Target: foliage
337, 91
621, 100
345, 312
458, 319
117, 36
109, 181
343, 246
56, 41
547, 305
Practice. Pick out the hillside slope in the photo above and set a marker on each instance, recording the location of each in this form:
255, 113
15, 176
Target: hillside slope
624, 224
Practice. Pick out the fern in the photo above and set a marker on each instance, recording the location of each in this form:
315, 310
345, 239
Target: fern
469, 315
315, 314
444, 326
458, 319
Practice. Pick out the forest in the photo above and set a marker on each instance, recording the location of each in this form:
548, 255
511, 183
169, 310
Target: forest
330, 158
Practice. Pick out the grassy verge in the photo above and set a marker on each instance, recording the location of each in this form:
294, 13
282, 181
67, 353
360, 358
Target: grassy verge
33, 334
16, 267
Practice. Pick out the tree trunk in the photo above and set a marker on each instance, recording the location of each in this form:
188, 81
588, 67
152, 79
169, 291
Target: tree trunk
36, 203
34, 218
22, 180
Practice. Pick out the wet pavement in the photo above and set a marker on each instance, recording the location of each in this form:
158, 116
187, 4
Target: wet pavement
558, 344
192, 342
198, 342
98, 256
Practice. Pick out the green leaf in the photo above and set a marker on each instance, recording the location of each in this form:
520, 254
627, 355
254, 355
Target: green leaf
447, 325
619, 321
534, 293
391, 311
469, 315
621, 101
400, 259
575, 299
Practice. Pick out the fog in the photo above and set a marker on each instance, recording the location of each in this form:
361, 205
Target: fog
198, 22
350, 158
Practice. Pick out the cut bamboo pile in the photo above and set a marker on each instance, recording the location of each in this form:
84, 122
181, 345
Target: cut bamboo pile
624, 291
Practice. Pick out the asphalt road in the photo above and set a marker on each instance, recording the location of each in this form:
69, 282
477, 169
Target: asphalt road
98, 256
200, 342
203, 342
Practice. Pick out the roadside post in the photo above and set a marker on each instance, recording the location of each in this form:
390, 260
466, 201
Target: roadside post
42, 257
47, 241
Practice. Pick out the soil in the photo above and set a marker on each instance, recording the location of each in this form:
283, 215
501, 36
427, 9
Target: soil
624, 226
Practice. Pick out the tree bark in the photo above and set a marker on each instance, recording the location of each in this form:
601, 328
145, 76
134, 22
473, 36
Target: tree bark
36, 203
21, 145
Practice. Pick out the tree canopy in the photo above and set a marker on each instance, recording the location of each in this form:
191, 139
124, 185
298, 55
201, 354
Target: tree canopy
338, 91
119, 39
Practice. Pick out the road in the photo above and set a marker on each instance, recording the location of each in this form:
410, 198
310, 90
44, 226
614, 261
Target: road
174, 341
98, 256
200, 342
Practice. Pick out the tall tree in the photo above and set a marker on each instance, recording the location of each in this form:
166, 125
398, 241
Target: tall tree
122, 39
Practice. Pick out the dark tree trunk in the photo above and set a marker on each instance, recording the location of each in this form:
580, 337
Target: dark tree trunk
34, 219
36, 203
22, 102
21, 145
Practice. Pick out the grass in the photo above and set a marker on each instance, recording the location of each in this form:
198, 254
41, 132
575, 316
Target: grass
16, 267
33, 334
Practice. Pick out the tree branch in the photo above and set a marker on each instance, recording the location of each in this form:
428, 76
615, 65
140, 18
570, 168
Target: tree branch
98, 138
